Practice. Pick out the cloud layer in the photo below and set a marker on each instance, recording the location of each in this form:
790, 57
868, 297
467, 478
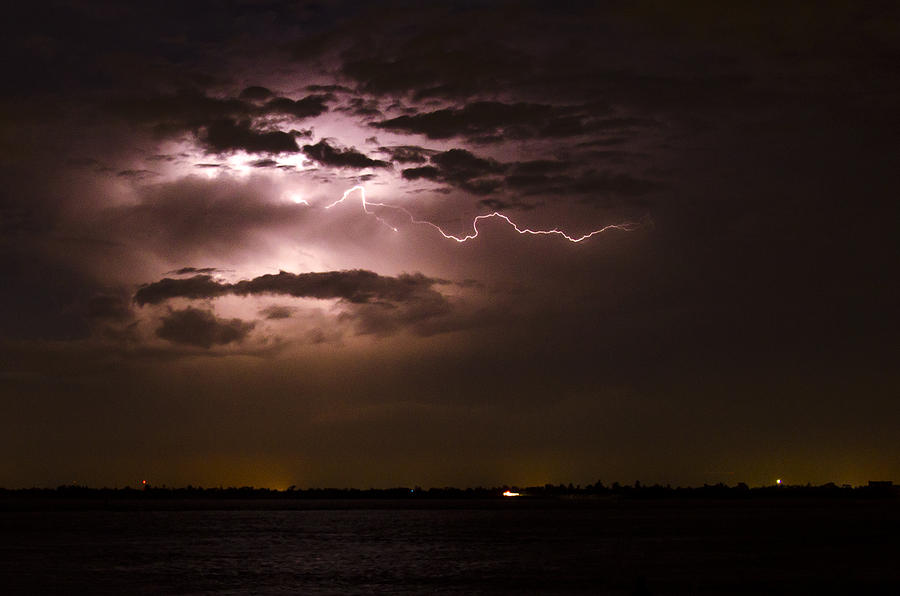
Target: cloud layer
357, 286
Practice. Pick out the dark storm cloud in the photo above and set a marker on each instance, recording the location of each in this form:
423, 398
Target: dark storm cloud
255, 93
109, 306
201, 328
264, 163
181, 112
470, 51
308, 107
190, 270
355, 286
494, 122
407, 153
426, 172
447, 61
365, 108
482, 176
93, 44
328, 89
112, 318
227, 135
312, 46
196, 287
224, 124
136, 174
646, 57
383, 319
572, 177
481, 186
483, 120
459, 164
539, 166
589, 182
499, 205
276, 312
82, 162
460, 168
612, 182
604, 142
381, 305
41, 297
328, 155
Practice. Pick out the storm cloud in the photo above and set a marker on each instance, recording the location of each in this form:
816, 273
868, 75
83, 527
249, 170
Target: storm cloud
201, 328
460, 168
224, 123
226, 135
356, 286
328, 155
487, 121
376, 304
312, 105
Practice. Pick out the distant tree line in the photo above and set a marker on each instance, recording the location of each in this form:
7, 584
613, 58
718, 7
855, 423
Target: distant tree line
547, 491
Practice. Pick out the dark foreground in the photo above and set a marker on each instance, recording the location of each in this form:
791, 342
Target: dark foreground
798, 546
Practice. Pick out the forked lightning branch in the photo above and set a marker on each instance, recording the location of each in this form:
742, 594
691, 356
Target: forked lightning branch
624, 227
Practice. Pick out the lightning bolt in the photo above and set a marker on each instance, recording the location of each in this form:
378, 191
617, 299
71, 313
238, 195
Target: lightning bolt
365, 205
625, 227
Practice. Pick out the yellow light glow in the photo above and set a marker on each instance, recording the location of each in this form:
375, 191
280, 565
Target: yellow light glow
509, 493
778, 481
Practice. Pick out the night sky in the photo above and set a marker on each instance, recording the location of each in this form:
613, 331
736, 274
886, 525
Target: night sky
185, 299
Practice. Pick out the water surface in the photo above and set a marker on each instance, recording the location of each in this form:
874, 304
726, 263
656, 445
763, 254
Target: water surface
452, 547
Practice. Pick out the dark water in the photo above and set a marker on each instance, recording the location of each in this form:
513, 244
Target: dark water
457, 548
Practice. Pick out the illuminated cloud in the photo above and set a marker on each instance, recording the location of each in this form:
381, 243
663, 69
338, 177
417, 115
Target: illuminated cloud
374, 304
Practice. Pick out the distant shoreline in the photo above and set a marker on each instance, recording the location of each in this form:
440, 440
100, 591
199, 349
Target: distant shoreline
79, 497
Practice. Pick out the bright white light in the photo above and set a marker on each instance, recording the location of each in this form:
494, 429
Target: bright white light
210, 172
296, 160
509, 493
240, 163
295, 198
778, 481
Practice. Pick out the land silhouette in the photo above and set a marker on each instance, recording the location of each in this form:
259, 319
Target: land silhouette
597, 491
